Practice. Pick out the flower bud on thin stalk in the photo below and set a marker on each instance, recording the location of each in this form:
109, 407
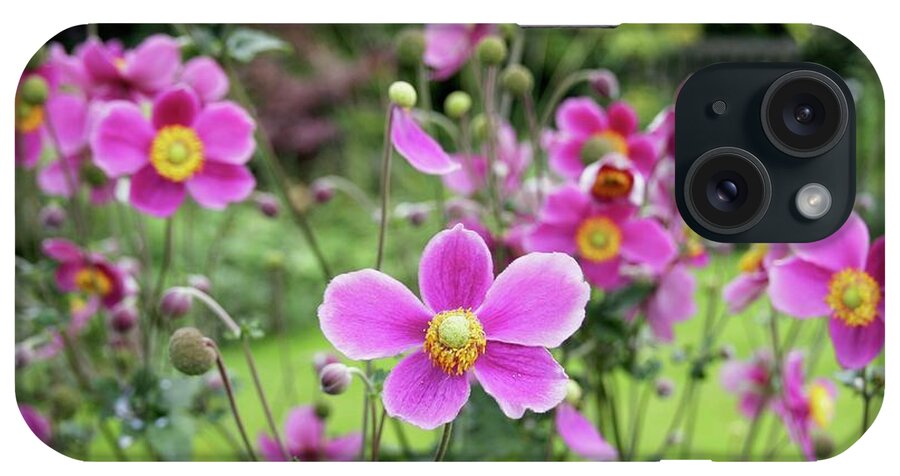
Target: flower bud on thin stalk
335, 379
52, 217
267, 204
410, 46
175, 304
457, 104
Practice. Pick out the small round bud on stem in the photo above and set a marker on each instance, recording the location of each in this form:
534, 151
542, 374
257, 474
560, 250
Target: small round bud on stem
93, 175
200, 283
478, 127
175, 303
457, 104
123, 318
335, 378
492, 50
402, 94
573, 392
410, 46
323, 411
267, 204
321, 359
322, 191
664, 388
191, 352
823, 446
52, 217
517, 79
605, 83
35, 90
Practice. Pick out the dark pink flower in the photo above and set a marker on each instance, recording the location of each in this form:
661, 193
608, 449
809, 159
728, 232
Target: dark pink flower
751, 381
37, 423
512, 161
841, 277
753, 280
581, 436
30, 124
449, 46
804, 408
89, 274
606, 238
586, 132
115, 73
185, 147
467, 324
304, 437
417, 147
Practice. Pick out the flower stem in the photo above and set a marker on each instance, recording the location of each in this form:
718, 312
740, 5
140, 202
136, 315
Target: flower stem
490, 86
536, 153
378, 429
637, 420
867, 400
251, 364
751, 435
445, 442
568, 83
152, 304
223, 373
386, 155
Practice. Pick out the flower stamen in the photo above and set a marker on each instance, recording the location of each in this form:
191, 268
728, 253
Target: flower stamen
854, 297
91, 280
177, 153
598, 239
603, 143
752, 259
454, 340
611, 183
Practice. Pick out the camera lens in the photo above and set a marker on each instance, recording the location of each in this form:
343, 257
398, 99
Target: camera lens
804, 113
727, 190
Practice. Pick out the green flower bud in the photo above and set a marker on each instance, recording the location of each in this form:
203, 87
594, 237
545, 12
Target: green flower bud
410, 46
457, 104
191, 352
402, 94
492, 50
64, 402
573, 392
824, 446
509, 30
23, 110
93, 175
479, 127
517, 79
322, 410
35, 90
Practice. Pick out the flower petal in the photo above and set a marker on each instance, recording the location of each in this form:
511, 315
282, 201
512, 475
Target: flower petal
799, 288
469, 178
622, 118
343, 448
54, 179
581, 436
218, 184
227, 133
67, 114
581, 117
204, 75
121, 140
645, 241
605, 275
855, 347
564, 156
176, 106
268, 448
98, 62
448, 46
566, 205
743, 291
419, 392
846, 248
875, 261
304, 431
155, 195
369, 315
642, 153
521, 378
455, 271
29, 147
548, 237
153, 64
61, 249
538, 299
671, 302
422, 152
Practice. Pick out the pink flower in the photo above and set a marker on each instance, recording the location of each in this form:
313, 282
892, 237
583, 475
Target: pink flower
304, 436
30, 124
606, 238
512, 161
115, 73
581, 436
753, 280
841, 277
37, 423
670, 302
89, 274
586, 133
613, 178
208, 80
751, 381
467, 324
449, 46
417, 147
184, 147
804, 408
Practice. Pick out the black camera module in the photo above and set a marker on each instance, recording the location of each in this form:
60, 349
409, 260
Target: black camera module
804, 113
728, 190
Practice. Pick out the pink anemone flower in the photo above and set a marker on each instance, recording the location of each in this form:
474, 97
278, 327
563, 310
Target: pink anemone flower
185, 147
468, 324
804, 408
512, 161
753, 280
671, 301
416, 146
304, 436
89, 274
587, 132
31, 120
37, 423
841, 277
581, 436
751, 381
115, 73
606, 239
614, 178
449, 46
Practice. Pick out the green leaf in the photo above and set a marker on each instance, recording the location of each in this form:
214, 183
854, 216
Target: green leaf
245, 44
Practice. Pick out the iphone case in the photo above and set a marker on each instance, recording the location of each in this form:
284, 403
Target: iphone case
421, 242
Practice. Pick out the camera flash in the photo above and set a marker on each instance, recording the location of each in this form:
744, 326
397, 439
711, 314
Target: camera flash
813, 201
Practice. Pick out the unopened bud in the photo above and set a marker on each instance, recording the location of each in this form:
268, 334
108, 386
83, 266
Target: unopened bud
410, 46
573, 392
457, 104
323, 411
267, 204
321, 359
322, 191
726, 352
335, 378
93, 175
35, 90
191, 352
175, 303
479, 127
123, 318
52, 217
823, 446
492, 50
605, 83
664, 388
517, 79
199, 282
402, 94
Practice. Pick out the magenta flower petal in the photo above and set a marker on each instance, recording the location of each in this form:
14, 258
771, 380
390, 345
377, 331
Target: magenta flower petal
605, 274
176, 106
642, 153
566, 205
369, 315
538, 300
217, 184
68, 116
155, 195
54, 179
565, 157
875, 263
304, 432
798, 288
455, 270
581, 436
645, 241
581, 117
469, 177
37, 423
28, 148
343, 448
743, 291
671, 302
521, 378
846, 248
65, 275
419, 392
269, 448
422, 152
549, 237
121, 140
855, 347
227, 133
204, 75
61, 249
153, 64
622, 118
448, 46
98, 62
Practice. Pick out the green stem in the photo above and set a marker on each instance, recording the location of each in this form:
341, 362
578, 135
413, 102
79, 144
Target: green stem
152, 306
445, 442
251, 363
229, 391
386, 155
751, 436
534, 137
493, 190
376, 438
867, 399
402, 439
637, 420
568, 83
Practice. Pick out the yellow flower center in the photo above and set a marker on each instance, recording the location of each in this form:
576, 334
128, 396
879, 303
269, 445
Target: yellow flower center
603, 143
29, 117
177, 153
598, 239
612, 183
854, 296
454, 340
752, 259
694, 244
91, 280
821, 405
